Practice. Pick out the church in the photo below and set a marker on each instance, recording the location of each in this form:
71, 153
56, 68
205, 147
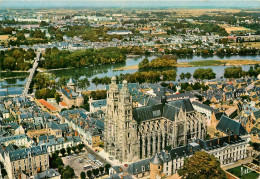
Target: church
132, 134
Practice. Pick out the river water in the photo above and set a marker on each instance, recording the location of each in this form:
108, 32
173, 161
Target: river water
14, 86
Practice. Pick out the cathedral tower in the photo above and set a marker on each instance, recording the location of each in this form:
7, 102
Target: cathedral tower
120, 128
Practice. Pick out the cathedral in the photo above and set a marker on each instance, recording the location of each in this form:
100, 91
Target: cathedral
132, 134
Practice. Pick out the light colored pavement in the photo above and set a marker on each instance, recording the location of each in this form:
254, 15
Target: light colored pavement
32, 71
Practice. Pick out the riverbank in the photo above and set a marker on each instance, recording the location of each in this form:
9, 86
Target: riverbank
203, 63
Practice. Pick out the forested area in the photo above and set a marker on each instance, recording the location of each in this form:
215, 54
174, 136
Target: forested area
203, 74
16, 59
159, 62
238, 72
55, 58
205, 28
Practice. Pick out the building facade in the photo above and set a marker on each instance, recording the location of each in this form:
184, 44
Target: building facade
226, 149
30, 161
137, 133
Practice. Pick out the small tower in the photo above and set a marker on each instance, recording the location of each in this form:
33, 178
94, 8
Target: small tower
71, 84
156, 167
80, 100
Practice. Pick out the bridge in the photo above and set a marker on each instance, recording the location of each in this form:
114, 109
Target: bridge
32, 71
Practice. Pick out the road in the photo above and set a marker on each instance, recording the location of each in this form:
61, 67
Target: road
32, 71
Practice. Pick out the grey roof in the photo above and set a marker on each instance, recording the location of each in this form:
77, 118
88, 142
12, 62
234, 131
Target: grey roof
139, 166
71, 81
14, 137
169, 110
204, 106
218, 115
257, 114
156, 160
219, 142
47, 174
229, 126
23, 153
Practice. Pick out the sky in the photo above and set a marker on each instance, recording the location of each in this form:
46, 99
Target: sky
131, 3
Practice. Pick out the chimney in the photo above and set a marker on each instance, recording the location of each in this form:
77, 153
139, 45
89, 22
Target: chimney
229, 138
236, 137
76, 133
218, 141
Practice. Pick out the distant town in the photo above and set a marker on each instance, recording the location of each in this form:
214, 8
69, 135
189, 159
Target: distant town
129, 93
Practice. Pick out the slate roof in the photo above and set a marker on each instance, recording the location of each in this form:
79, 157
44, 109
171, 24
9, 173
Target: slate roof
47, 174
23, 153
227, 125
156, 160
69, 93
169, 110
136, 167
71, 81
13, 125
99, 103
204, 106
14, 137
219, 142
257, 114
45, 137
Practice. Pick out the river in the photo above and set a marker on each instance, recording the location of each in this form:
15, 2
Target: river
107, 70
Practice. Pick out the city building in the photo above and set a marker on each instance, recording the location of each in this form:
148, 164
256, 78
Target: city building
69, 95
137, 133
226, 149
29, 161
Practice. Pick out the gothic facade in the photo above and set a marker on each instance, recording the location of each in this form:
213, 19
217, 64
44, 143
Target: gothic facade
132, 134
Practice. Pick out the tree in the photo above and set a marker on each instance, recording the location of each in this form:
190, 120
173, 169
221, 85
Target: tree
101, 169
144, 64
188, 75
189, 88
68, 172
233, 72
3, 171
9, 63
202, 74
74, 149
89, 173
57, 152
95, 171
68, 150
201, 165
83, 84
107, 166
57, 97
82, 175
62, 151
182, 76
80, 147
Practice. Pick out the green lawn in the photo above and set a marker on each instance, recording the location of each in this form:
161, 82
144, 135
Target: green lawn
237, 172
207, 63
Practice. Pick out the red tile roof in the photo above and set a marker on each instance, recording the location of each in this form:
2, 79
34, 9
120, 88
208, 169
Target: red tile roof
63, 104
47, 105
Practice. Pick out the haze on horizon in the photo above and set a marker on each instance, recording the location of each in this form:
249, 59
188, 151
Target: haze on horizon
130, 4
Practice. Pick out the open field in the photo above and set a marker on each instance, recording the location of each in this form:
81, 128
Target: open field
247, 44
203, 63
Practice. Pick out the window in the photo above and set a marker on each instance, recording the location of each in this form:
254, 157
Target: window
159, 167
